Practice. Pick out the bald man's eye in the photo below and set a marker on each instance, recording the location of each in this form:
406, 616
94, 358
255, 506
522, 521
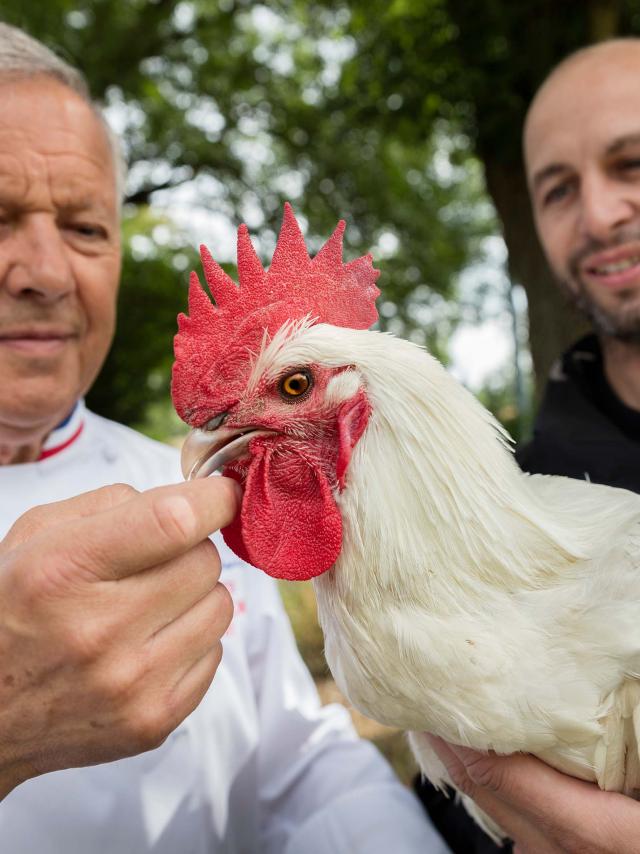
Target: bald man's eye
556, 194
629, 165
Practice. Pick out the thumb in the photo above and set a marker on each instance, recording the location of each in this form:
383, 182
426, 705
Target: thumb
38, 519
149, 529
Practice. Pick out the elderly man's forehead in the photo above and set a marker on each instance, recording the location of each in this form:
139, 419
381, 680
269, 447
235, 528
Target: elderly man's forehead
590, 98
49, 133
67, 186
24, 95
62, 149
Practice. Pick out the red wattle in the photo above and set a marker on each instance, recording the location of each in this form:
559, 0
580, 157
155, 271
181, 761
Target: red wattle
289, 525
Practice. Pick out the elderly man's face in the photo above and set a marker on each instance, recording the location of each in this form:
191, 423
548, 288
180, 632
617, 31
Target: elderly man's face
582, 147
59, 253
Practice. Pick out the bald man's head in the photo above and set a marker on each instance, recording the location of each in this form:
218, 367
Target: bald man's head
575, 75
582, 155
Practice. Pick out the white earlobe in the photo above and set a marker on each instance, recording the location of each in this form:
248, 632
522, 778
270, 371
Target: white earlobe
342, 387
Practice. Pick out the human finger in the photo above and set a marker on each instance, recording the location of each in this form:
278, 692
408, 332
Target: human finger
545, 810
149, 529
182, 663
522, 780
197, 680
44, 516
184, 641
152, 599
508, 822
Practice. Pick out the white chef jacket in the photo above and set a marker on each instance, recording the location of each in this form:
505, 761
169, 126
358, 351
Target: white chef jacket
258, 768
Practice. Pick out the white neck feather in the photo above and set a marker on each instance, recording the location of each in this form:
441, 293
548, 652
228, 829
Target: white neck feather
432, 488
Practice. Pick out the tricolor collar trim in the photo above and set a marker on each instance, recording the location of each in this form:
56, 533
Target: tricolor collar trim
65, 434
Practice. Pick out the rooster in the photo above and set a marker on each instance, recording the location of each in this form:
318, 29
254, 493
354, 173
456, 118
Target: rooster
457, 595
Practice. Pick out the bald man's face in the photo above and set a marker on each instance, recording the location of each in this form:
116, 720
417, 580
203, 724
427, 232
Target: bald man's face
582, 150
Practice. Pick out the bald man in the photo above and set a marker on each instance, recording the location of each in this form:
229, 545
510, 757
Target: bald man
582, 154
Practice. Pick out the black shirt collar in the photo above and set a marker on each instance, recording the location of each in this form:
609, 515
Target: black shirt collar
583, 363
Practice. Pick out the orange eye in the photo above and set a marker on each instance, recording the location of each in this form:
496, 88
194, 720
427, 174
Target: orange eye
295, 385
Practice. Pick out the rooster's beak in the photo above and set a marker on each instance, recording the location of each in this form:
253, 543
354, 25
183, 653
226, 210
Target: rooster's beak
206, 451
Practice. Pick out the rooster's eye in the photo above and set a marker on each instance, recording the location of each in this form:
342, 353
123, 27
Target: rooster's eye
295, 386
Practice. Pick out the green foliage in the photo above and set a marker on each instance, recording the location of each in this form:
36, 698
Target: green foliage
499, 399
419, 65
248, 105
387, 113
152, 292
300, 604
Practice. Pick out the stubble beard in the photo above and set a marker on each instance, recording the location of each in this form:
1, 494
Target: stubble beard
622, 322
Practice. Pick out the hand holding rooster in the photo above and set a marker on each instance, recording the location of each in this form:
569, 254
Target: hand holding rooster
112, 632
541, 809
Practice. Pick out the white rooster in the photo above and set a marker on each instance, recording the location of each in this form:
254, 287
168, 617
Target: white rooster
457, 595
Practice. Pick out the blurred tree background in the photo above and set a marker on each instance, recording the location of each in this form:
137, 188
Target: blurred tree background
404, 116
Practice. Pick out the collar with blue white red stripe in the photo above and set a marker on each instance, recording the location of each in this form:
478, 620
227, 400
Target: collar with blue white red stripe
66, 433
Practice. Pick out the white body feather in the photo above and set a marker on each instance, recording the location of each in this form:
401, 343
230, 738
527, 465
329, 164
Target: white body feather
495, 609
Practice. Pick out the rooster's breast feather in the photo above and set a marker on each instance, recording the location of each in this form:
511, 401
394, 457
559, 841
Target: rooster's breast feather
493, 608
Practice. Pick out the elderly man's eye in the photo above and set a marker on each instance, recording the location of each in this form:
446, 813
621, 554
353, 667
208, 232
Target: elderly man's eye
87, 230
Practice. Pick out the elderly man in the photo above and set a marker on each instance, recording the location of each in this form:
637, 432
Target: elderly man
111, 611
582, 152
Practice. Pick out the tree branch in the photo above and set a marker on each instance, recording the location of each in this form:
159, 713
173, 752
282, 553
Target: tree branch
142, 196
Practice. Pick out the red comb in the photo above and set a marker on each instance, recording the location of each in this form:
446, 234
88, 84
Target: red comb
214, 343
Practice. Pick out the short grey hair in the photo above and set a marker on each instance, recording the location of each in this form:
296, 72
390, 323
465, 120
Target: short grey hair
23, 56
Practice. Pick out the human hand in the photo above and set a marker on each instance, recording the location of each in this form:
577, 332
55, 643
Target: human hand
542, 810
111, 616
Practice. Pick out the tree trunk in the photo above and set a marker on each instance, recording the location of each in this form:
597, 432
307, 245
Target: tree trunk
604, 19
508, 71
553, 323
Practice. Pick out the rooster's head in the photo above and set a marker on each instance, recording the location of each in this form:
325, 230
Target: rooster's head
273, 415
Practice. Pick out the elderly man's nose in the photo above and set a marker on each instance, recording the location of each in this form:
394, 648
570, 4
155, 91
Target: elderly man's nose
39, 266
606, 207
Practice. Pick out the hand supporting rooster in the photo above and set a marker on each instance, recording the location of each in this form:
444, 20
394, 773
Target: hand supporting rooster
542, 810
113, 629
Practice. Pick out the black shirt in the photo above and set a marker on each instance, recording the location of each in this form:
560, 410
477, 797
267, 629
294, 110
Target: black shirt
583, 429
